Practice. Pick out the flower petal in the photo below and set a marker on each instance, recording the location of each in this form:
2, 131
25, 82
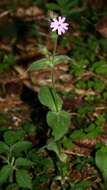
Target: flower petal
59, 25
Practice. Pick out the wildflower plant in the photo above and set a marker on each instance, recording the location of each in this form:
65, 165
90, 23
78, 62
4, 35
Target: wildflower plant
58, 119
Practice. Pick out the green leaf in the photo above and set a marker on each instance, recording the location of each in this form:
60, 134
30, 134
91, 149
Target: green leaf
103, 43
54, 147
48, 97
8, 61
23, 162
98, 85
52, 6
21, 146
93, 131
40, 64
77, 135
29, 128
11, 137
62, 2
13, 186
67, 143
46, 63
60, 58
23, 179
3, 147
100, 120
101, 162
100, 67
59, 122
83, 185
5, 173
86, 109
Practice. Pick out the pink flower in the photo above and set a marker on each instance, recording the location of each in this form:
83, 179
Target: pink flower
59, 25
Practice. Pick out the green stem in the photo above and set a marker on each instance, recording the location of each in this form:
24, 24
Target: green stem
63, 188
52, 70
53, 96
52, 76
11, 177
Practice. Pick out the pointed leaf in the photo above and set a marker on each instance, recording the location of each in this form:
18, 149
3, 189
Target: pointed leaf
54, 147
40, 64
48, 97
60, 58
59, 122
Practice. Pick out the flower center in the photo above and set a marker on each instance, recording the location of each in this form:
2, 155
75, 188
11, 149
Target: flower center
59, 25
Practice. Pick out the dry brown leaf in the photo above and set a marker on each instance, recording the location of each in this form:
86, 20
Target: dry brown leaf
78, 150
31, 11
89, 143
101, 27
98, 4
